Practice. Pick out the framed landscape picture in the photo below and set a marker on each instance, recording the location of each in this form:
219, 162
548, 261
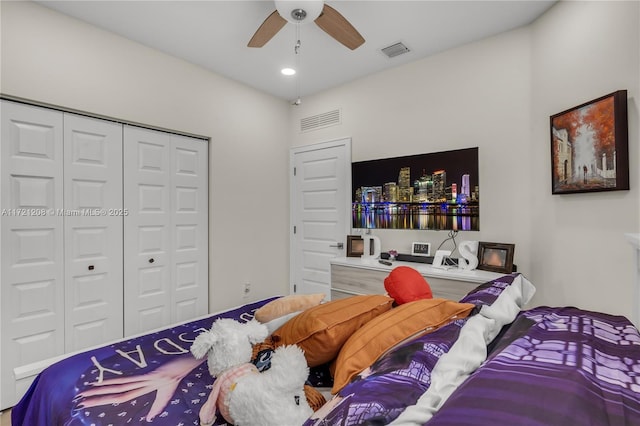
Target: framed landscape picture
589, 146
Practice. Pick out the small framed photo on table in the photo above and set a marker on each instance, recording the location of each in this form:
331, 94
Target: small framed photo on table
355, 246
496, 257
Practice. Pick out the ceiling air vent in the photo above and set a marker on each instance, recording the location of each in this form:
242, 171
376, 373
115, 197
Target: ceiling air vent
319, 121
395, 50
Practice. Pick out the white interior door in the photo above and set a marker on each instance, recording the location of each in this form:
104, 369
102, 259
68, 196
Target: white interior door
93, 222
320, 211
31, 234
189, 203
147, 229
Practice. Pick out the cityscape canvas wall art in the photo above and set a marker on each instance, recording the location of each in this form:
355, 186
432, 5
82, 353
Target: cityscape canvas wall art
433, 191
589, 146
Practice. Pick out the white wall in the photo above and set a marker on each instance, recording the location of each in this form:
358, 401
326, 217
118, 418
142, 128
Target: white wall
476, 95
581, 51
49, 57
498, 94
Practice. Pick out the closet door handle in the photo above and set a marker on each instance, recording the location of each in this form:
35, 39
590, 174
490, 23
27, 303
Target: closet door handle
91, 267
151, 260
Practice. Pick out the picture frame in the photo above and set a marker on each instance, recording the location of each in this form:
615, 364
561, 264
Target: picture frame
590, 146
355, 246
420, 249
495, 257
428, 191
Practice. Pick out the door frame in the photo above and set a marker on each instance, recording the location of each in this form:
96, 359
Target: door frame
346, 142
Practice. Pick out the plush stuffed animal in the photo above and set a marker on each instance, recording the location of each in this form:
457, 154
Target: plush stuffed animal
244, 396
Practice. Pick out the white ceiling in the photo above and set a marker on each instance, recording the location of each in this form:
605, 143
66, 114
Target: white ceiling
214, 35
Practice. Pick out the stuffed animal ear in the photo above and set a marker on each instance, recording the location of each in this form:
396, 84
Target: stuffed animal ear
256, 332
203, 343
289, 369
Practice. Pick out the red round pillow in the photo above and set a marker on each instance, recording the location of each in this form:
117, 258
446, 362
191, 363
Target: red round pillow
405, 284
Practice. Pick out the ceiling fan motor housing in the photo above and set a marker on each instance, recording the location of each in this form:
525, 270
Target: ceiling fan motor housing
300, 11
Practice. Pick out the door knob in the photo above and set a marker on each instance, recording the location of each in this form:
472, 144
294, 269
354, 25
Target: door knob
91, 267
339, 245
151, 260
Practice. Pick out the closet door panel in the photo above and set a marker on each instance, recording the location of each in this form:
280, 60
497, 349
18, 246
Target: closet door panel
93, 222
189, 190
147, 271
31, 235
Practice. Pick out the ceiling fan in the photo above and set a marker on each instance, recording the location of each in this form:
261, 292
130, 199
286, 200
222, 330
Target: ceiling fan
297, 12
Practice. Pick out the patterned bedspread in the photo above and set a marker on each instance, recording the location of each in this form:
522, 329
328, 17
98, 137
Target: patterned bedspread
153, 379
503, 366
554, 366
400, 377
551, 366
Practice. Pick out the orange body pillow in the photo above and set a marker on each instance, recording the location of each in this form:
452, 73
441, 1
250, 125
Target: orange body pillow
384, 332
322, 330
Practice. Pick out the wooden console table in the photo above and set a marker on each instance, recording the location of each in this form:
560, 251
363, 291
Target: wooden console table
353, 276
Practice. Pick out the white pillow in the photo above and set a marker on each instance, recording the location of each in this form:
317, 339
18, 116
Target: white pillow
276, 323
468, 352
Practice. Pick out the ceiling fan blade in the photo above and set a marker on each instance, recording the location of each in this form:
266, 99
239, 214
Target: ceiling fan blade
267, 30
336, 25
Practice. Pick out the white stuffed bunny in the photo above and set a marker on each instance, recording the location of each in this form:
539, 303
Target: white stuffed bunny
244, 396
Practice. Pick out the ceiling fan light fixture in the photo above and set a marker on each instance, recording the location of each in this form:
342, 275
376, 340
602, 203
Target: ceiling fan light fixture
299, 11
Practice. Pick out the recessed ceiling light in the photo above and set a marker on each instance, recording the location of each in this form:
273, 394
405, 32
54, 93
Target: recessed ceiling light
288, 71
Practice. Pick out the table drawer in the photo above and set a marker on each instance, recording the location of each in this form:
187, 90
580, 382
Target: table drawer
346, 281
357, 280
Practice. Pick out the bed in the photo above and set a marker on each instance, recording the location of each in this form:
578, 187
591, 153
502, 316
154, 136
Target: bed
498, 365
52, 398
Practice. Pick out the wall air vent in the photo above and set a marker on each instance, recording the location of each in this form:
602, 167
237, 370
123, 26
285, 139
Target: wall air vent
319, 121
395, 50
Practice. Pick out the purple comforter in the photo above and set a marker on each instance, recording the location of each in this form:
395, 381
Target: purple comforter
551, 366
554, 366
401, 376
53, 398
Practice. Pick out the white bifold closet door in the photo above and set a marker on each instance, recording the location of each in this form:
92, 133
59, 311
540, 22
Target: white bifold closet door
103, 234
32, 273
166, 243
61, 279
93, 224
